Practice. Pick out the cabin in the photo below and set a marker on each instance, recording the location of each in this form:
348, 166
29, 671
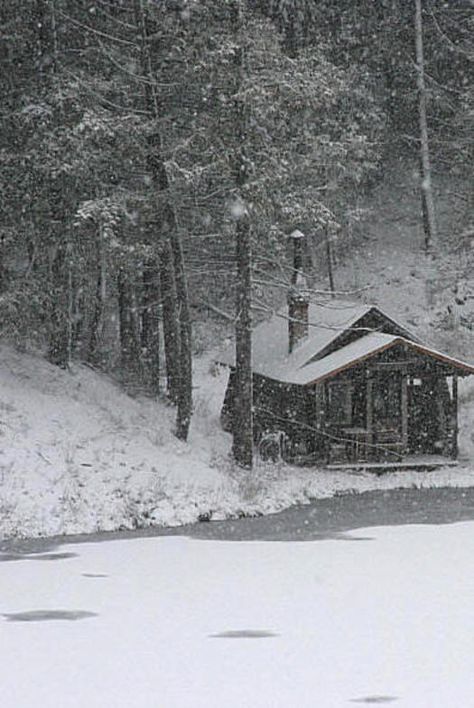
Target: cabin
344, 384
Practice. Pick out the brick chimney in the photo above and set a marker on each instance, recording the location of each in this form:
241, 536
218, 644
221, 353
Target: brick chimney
298, 302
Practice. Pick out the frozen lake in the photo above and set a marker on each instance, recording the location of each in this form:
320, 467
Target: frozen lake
243, 619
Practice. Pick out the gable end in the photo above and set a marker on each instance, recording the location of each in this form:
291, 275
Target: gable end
372, 321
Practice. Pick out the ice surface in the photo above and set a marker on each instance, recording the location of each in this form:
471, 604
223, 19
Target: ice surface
183, 623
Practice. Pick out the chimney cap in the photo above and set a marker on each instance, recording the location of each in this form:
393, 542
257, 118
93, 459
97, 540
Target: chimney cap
297, 234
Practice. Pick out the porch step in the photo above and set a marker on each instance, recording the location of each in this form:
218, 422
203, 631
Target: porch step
426, 462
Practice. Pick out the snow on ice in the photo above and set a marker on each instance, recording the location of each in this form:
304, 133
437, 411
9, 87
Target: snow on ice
381, 615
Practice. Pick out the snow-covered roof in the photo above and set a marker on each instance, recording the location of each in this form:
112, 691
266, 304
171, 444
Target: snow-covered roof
362, 349
343, 358
326, 322
307, 363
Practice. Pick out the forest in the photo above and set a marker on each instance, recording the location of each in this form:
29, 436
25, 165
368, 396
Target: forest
156, 155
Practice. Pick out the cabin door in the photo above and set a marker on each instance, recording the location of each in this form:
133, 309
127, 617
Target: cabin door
387, 400
423, 428
389, 405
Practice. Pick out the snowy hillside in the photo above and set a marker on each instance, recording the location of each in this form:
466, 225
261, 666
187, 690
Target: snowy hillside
78, 455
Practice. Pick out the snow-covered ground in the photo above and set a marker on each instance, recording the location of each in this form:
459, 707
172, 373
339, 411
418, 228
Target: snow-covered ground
381, 616
79, 455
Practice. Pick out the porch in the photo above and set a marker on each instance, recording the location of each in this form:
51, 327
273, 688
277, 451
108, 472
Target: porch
392, 413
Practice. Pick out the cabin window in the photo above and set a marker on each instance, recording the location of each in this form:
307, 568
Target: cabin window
340, 402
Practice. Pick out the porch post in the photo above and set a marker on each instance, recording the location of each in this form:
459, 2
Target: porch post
404, 411
327, 440
454, 451
370, 413
443, 405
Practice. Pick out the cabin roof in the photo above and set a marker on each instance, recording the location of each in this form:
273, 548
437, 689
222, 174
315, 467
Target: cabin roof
314, 359
362, 349
326, 322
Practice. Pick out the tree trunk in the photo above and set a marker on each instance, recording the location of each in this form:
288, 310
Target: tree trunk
78, 320
171, 338
59, 270
185, 399
59, 324
242, 447
242, 414
150, 329
428, 210
175, 342
129, 345
3, 273
329, 257
93, 349
175, 265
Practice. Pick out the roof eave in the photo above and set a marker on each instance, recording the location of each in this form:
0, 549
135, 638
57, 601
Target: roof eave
350, 364
464, 368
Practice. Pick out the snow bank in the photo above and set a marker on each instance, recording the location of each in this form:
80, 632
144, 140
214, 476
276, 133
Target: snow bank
77, 454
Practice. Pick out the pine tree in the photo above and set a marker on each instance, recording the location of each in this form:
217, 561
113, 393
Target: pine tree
243, 399
429, 218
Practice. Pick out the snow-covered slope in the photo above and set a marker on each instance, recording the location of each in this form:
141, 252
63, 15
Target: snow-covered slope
77, 454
